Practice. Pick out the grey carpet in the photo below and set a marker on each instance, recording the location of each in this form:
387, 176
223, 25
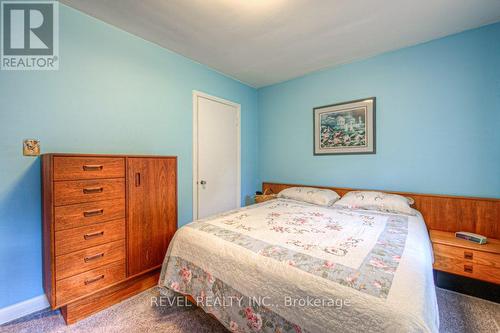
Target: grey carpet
458, 313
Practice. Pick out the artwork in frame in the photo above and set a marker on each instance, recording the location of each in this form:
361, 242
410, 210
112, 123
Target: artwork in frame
345, 128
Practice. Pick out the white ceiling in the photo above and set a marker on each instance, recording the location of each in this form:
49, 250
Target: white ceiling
261, 42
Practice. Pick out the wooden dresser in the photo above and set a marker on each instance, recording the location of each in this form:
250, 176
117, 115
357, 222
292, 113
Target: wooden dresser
107, 223
461, 257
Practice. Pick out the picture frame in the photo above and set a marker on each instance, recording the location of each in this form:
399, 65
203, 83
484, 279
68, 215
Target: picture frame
345, 128
31, 147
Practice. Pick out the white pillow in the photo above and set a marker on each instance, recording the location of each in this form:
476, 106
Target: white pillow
312, 195
380, 201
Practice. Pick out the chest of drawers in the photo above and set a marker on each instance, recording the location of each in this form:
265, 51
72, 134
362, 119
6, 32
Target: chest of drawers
106, 220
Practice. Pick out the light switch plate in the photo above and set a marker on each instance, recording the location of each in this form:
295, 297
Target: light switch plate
31, 147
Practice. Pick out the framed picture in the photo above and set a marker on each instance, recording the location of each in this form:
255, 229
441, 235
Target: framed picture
31, 147
345, 128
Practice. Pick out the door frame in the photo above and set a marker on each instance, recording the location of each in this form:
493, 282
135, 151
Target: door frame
197, 94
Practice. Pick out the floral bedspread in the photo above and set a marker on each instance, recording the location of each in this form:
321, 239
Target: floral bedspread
287, 266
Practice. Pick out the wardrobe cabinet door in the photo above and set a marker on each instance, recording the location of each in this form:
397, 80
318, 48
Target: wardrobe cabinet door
152, 211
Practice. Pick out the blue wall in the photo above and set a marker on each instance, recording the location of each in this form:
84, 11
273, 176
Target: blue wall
113, 93
438, 120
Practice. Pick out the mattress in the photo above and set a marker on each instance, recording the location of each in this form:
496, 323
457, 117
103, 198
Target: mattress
289, 266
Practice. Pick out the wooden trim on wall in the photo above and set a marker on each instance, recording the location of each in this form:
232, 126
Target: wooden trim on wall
440, 212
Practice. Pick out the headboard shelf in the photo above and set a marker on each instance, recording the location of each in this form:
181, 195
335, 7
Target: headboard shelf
441, 212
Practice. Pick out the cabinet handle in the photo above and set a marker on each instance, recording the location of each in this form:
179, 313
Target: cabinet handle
468, 268
137, 179
468, 255
90, 190
95, 212
92, 167
93, 235
94, 257
95, 279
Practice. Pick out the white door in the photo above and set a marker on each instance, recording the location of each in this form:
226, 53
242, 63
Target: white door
217, 156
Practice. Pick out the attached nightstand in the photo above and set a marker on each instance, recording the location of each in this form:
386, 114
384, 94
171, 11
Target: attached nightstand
461, 257
265, 197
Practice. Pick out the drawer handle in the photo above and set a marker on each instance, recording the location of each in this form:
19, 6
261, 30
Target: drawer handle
92, 167
90, 190
93, 235
95, 212
468, 268
94, 257
468, 255
95, 279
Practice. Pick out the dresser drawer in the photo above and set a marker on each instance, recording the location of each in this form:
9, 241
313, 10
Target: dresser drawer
73, 168
467, 255
84, 260
70, 240
469, 269
80, 191
88, 282
79, 215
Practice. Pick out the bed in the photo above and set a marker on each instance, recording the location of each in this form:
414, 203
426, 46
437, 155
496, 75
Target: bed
290, 266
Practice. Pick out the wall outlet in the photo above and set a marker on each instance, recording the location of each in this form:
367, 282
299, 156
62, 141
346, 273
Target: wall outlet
31, 147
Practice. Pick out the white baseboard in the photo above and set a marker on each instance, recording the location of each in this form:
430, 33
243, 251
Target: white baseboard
23, 308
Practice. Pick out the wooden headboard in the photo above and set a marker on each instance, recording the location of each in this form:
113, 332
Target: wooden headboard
441, 212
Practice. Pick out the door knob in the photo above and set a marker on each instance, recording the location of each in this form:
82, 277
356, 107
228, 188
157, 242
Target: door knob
203, 182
